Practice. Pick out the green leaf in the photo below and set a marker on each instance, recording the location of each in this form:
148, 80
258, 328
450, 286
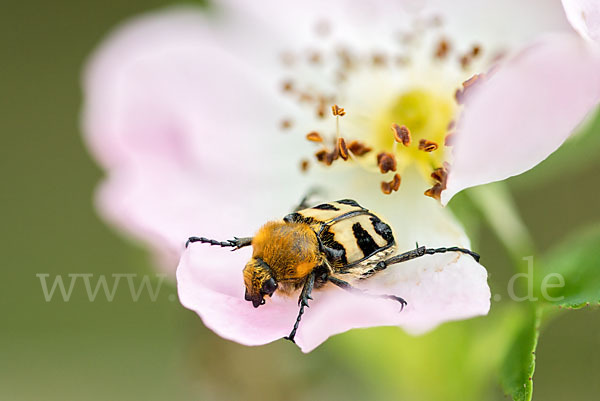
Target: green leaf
570, 274
519, 363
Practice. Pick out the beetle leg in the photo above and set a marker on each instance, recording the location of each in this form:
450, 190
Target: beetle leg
304, 202
236, 242
333, 255
302, 302
348, 287
422, 251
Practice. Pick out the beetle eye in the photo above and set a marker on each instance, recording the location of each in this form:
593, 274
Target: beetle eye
269, 286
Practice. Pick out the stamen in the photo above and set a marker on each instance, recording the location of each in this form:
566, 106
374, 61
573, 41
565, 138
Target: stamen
321, 110
342, 148
321, 155
346, 58
304, 165
379, 59
435, 192
286, 123
467, 86
401, 60
288, 86
427, 146
386, 162
322, 101
333, 155
401, 134
326, 157
425, 111
314, 136
442, 49
341, 76
358, 148
322, 28
337, 111
305, 97
471, 81
406, 38
314, 57
437, 21
465, 61
440, 175
388, 187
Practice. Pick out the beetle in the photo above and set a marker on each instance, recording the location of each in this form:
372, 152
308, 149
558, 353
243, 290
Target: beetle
335, 242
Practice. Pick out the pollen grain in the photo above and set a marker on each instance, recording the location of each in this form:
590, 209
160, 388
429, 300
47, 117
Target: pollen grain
314, 136
338, 111
389, 187
427, 146
358, 148
342, 148
401, 134
386, 162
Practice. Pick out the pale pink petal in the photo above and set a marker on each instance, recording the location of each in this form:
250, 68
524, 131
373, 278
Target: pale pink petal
487, 21
438, 288
164, 205
524, 111
188, 132
373, 23
584, 16
164, 86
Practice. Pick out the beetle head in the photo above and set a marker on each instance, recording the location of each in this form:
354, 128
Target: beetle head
259, 281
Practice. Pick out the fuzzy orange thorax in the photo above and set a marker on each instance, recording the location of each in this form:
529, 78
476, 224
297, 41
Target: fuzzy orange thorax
291, 251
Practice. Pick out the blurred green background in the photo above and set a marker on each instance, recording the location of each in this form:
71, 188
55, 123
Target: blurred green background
125, 350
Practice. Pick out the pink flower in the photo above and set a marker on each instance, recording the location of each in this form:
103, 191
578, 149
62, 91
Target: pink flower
584, 16
200, 122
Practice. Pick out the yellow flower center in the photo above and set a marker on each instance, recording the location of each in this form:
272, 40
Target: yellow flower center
387, 128
427, 115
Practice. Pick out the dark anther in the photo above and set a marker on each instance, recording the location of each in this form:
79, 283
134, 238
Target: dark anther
401, 134
388, 187
358, 148
386, 162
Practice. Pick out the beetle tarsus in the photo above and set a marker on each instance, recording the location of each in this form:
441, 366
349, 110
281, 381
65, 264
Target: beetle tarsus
403, 303
236, 242
348, 287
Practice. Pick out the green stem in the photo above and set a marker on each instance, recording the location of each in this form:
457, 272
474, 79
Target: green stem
499, 209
